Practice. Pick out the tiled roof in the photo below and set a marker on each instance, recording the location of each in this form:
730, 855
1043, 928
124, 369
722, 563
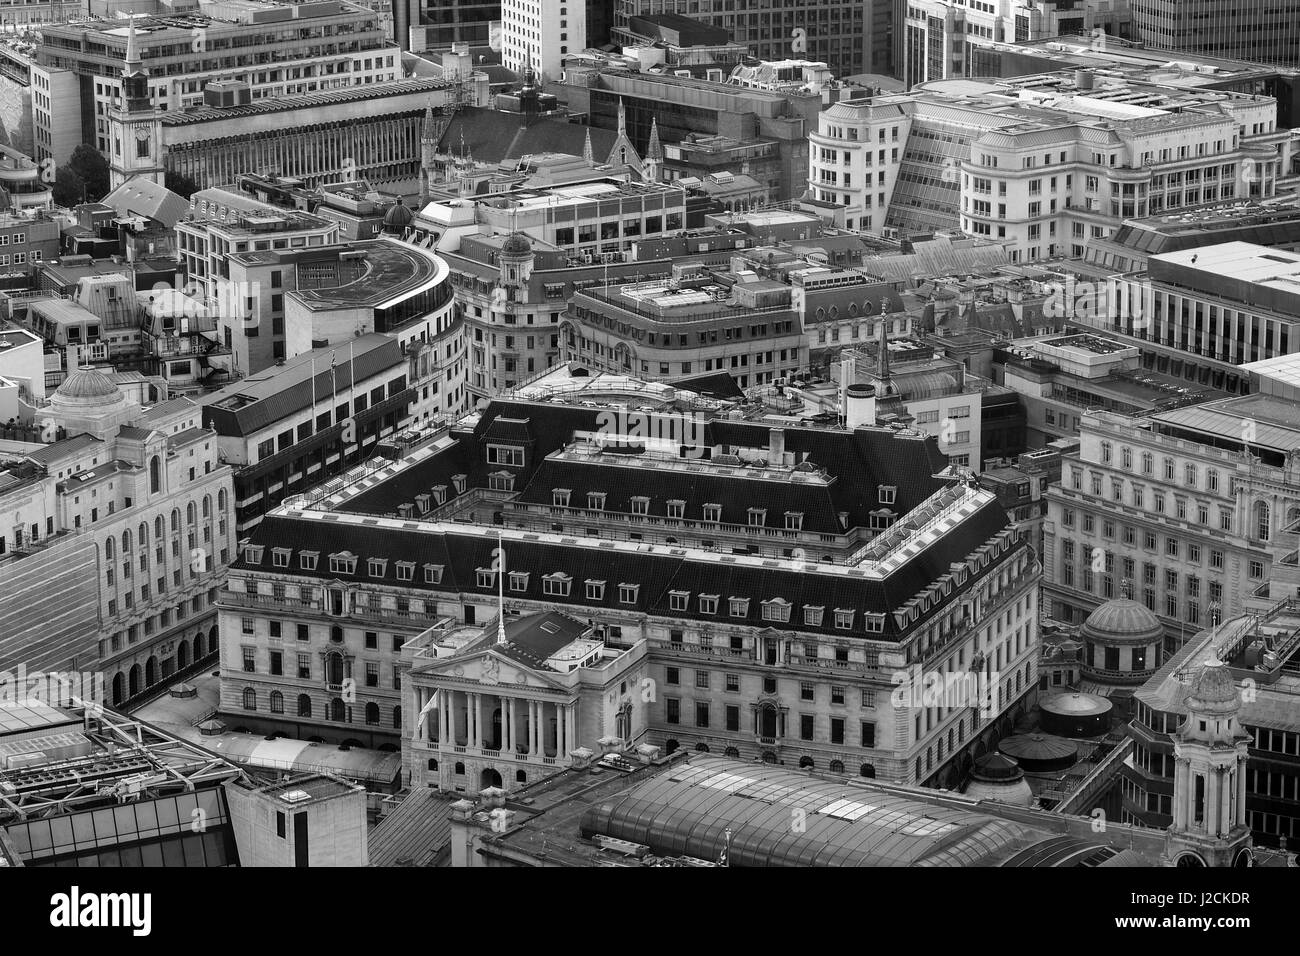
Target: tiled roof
414, 833
462, 554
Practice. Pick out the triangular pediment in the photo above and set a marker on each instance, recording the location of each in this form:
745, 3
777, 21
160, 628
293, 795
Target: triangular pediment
489, 668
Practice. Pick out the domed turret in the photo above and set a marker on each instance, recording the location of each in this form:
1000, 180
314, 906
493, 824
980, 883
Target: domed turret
87, 387
398, 218
518, 245
998, 777
1121, 642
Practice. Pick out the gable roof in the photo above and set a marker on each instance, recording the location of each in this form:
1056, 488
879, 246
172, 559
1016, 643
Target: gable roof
139, 196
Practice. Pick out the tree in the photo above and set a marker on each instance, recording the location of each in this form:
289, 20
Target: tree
91, 168
181, 185
68, 187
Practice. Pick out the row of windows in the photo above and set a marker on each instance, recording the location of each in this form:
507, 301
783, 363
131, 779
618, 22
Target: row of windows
334, 710
807, 689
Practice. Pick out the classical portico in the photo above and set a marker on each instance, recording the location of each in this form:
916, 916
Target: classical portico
509, 711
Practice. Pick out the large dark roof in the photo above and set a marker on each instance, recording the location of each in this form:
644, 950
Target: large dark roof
861, 461
250, 405
492, 136
659, 572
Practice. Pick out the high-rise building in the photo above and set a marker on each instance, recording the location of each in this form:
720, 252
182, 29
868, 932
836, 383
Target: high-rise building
941, 35
836, 32
540, 33
1257, 30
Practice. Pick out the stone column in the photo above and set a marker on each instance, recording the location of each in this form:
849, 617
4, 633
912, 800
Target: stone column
1241, 792
571, 733
1212, 784
508, 716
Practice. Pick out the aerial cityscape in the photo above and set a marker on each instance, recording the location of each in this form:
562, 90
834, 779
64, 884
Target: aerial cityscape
649, 433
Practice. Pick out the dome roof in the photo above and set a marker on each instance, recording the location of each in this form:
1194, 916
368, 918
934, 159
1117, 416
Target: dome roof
1122, 619
517, 244
996, 767
1039, 751
1081, 704
1213, 684
87, 386
398, 217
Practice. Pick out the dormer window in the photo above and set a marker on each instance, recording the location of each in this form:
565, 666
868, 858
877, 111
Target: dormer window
458, 482
433, 573
560, 497
678, 600
794, 521
558, 584
739, 607
843, 619
640, 505
376, 567
776, 609
813, 614
712, 512
280, 557
405, 570
885, 494
596, 500
345, 562
519, 580
595, 590
757, 517
505, 455
676, 508
307, 560
484, 577
709, 603
501, 481
875, 623
439, 494
253, 553
628, 593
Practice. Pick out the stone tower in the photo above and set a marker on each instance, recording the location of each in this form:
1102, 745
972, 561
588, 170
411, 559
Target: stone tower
1209, 826
135, 128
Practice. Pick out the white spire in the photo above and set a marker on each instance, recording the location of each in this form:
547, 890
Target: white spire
132, 51
501, 590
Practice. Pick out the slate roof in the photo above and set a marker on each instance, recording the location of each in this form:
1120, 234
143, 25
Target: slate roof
415, 833
861, 461
251, 404
657, 572
492, 136
143, 197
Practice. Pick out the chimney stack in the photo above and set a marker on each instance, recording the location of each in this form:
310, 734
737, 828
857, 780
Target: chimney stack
776, 447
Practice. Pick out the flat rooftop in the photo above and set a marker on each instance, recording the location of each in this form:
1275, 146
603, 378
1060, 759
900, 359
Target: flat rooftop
302, 101
1243, 261
392, 270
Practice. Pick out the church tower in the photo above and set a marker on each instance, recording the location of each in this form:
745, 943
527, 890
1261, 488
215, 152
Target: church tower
135, 128
654, 154
429, 137
1209, 826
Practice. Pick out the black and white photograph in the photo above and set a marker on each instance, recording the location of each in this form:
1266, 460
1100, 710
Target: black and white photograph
647, 434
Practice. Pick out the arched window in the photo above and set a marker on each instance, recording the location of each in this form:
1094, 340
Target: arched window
702, 748
521, 776
304, 705
155, 476
837, 766
1261, 520
126, 541
143, 535
397, 718
221, 501
433, 764
866, 770
338, 712
806, 763
250, 699
277, 702
460, 769
207, 506
191, 513
158, 527
731, 752
176, 519
372, 713
108, 549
